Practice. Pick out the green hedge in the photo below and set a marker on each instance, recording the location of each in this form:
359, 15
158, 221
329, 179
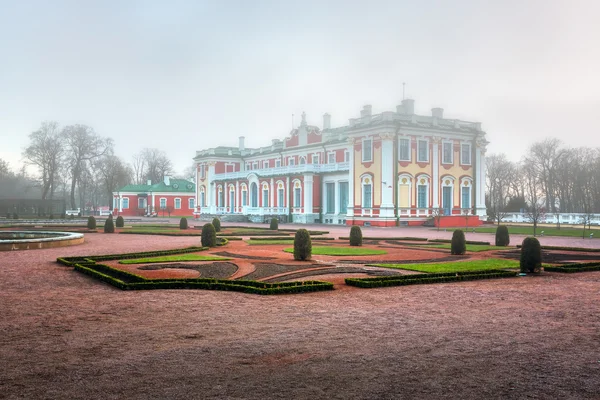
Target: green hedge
567, 248
176, 233
70, 261
575, 267
467, 241
119, 279
285, 238
416, 239
419, 279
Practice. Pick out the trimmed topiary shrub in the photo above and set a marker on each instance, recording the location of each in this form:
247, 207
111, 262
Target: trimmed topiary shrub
216, 224
51, 216
15, 216
302, 245
209, 235
531, 255
183, 224
120, 222
91, 224
502, 236
109, 225
274, 224
458, 246
355, 236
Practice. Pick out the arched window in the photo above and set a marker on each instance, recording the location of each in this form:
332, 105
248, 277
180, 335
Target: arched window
367, 191
465, 193
404, 191
231, 198
422, 194
297, 193
253, 195
280, 194
202, 197
220, 196
447, 194
302, 160
244, 190
265, 194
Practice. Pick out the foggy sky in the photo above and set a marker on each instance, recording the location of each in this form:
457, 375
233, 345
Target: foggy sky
186, 75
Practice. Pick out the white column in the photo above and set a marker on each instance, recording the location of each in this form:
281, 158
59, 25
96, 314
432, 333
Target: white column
480, 181
211, 188
238, 195
120, 203
336, 205
152, 206
350, 211
308, 193
272, 193
387, 176
435, 179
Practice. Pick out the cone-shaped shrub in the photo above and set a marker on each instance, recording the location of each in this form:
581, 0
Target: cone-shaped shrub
458, 245
183, 223
216, 224
120, 222
302, 245
274, 224
531, 255
502, 237
209, 236
91, 222
355, 236
109, 225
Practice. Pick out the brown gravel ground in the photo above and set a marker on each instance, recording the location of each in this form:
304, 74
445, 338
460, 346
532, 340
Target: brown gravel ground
66, 336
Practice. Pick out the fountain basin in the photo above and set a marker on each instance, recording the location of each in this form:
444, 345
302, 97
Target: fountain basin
29, 240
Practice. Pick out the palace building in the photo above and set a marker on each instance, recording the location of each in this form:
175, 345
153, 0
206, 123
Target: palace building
388, 169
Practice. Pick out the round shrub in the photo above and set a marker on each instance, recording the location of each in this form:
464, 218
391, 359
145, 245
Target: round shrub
216, 224
355, 236
91, 224
15, 216
109, 225
502, 236
120, 222
209, 236
459, 244
183, 224
51, 216
531, 255
274, 224
302, 245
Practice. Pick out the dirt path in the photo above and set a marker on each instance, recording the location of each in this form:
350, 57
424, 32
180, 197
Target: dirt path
64, 335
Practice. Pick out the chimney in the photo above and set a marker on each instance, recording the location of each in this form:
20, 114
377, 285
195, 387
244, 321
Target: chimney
409, 106
149, 182
241, 145
400, 109
437, 112
326, 121
366, 111
167, 180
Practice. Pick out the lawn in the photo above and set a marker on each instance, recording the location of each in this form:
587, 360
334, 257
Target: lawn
548, 230
175, 258
341, 251
457, 266
470, 247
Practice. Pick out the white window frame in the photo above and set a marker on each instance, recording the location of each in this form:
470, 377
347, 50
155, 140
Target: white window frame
266, 164
364, 153
291, 161
255, 165
462, 154
125, 202
364, 181
302, 160
202, 171
265, 188
297, 184
315, 158
329, 157
144, 201
419, 141
346, 156
160, 203
191, 203
175, 203
277, 163
244, 199
451, 144
202, 197
248, 166
408, 157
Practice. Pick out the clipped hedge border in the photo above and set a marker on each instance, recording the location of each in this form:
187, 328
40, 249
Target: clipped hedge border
414, 239
286, 238
70, 261
127, 281
420, 279
574, 267
118, 279
467, 241
127, 232
584, 249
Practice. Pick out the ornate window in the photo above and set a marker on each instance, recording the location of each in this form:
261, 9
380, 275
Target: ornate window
404, 149
367, 150
422, 150
178, 203
297, 194
367, 191
422, 191
447, 152
465, 154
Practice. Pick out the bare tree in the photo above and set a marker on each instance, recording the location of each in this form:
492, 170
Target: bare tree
437, 214
547, 156
45, 152
535, 212
114, 174
500, 174
139, 168
151, 165
83, 145
5, 171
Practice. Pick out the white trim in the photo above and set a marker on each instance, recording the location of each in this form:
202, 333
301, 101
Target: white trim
419, 141
451, 144
366, 179
123, 202
370, 139
407, 138
175, 203
469, 153
329, 154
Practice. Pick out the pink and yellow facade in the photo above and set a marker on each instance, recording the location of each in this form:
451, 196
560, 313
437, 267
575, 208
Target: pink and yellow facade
388, 169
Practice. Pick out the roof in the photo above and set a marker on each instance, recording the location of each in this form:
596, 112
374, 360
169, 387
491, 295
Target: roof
175, 186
